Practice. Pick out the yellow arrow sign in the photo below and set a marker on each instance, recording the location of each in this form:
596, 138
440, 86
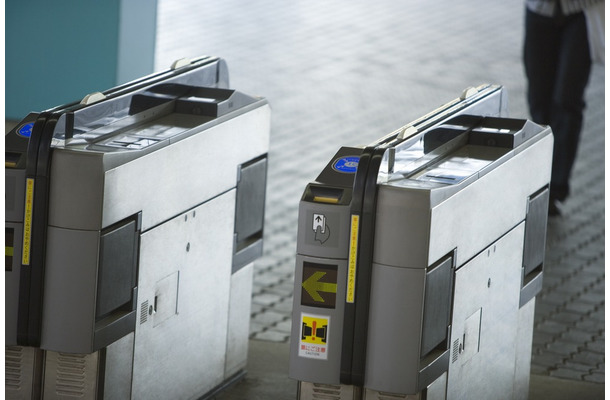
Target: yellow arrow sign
313, 286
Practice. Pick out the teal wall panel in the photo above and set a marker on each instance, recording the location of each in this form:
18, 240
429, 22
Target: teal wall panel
59, 51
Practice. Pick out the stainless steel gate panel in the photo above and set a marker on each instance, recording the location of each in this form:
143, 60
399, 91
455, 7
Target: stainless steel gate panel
100, 184
74, 172
395, 368
485, 321
496, 205
239, 320
183, 298
524, 350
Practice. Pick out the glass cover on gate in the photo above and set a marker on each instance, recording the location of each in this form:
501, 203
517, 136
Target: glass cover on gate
441, 155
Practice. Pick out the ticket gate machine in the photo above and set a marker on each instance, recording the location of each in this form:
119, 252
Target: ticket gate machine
133, 219
419, 258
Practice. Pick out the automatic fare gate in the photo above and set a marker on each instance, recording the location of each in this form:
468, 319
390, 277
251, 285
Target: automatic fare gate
419, 258
132, 222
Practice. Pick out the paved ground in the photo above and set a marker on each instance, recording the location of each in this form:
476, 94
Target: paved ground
344, 73
267, 380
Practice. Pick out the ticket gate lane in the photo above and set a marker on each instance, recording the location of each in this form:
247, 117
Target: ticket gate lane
430, 233
134, 273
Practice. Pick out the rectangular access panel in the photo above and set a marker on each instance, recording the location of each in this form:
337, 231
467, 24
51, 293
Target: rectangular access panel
133, 218
419, 258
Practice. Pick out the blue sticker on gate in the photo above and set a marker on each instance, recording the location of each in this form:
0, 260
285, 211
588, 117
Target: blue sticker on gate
348, 165
25, 130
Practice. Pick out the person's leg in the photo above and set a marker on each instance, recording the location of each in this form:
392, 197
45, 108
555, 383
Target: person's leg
540, 57
573, 70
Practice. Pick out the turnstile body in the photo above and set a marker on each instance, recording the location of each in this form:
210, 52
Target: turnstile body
133, 219
419, 258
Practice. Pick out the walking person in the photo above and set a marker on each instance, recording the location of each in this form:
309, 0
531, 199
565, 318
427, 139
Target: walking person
557, 62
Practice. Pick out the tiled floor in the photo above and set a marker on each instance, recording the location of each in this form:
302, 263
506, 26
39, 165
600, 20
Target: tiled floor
570, 314
345, 73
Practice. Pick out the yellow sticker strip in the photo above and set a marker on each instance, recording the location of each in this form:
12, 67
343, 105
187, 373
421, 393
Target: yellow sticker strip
27, 221
351, 263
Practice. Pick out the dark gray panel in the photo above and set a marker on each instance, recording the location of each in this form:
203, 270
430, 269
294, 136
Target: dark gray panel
250, 207
247, 254
110, 329
437, 305
14, 194
535, 231
249, 212
117, 268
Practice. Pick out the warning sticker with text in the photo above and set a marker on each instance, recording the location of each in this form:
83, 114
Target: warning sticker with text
314, 336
